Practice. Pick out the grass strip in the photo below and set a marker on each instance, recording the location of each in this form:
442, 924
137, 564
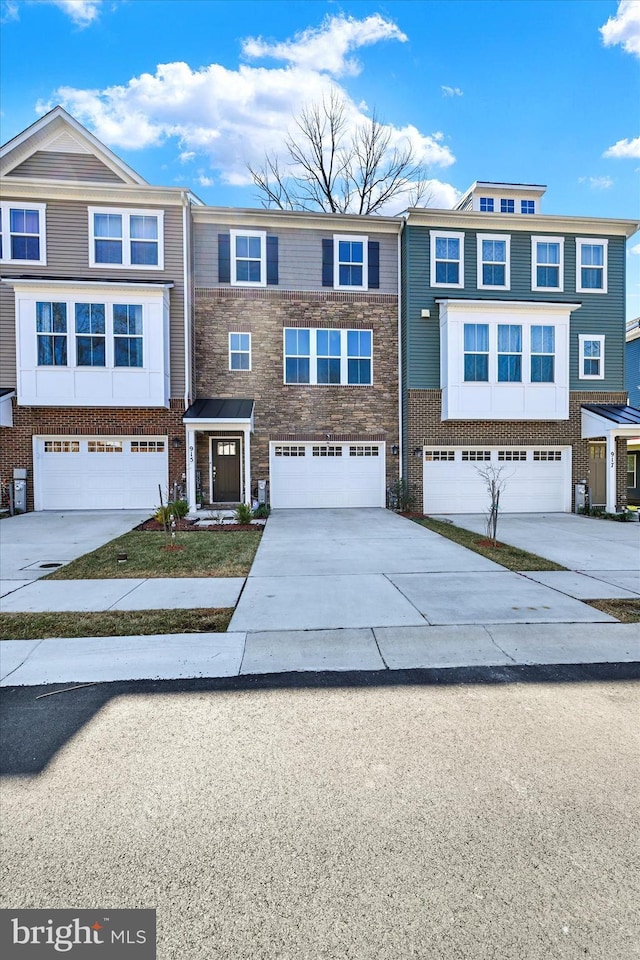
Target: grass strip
627, 611
113, 623
228, 554
513, 558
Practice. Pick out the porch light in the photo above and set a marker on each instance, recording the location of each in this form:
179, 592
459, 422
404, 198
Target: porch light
395, 449
417, 451
177, 441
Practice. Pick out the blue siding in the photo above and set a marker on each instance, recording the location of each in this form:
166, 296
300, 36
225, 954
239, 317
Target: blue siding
599, 313
632, 358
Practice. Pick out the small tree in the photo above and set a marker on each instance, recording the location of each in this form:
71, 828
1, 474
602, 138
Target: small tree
337, 168
496, 482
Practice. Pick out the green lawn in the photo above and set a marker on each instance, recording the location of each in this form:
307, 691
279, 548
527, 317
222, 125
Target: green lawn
112, 623
628, 611
510, 557
208, 554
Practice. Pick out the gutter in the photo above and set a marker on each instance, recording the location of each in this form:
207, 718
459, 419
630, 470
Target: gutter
400, 424
187, 296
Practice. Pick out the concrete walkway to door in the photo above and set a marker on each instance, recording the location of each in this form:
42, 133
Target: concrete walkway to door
330, 569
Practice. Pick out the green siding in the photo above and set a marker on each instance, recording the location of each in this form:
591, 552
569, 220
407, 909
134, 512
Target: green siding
599, 313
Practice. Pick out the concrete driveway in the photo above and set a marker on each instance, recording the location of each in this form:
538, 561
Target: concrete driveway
48, 537
595, 551
330, 569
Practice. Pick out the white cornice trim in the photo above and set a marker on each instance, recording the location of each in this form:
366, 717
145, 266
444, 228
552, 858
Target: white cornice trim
39, 282
18, 188
510, 305
505, 222
349, 223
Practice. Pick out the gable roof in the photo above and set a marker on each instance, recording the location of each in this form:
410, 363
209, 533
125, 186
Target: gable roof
58, 129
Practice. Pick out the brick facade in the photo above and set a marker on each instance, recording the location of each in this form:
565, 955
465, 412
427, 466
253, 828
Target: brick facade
16, 443
297, 412
424, 426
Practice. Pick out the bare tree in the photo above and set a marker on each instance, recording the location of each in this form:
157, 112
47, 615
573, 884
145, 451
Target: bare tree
496, 482
334, 168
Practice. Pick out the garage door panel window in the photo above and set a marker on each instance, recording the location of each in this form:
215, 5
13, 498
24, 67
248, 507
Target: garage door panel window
547, 455
147, 446
326, 357
290, 451
440, 456
127, 335
90, 334
511, 456
51, 327
327, 451
105, 446
364, 451
476, 456
62, 446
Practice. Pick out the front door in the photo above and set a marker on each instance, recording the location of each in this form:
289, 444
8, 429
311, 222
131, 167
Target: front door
225, 468
598, 474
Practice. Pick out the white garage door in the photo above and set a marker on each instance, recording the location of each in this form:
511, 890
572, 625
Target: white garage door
99, 473
327, 475
536, 479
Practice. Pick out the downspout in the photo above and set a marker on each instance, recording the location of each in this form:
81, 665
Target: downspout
400, 422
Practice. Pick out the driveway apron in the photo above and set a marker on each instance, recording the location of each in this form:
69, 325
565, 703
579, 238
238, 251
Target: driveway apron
333, 569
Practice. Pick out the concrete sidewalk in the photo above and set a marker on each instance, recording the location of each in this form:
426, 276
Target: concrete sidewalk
159, 593
182, 656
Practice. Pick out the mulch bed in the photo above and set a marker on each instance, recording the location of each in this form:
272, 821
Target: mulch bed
191, 526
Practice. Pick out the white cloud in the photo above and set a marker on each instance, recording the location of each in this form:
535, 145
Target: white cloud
635, 249
231, 117
82, 12
205, 181
326, 48
624, 28
9, 11
451, 91
625, 149
597, 183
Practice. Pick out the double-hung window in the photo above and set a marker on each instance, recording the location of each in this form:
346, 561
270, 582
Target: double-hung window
297, 355
127, 335
509, 353
547, 263
23, 233
239, 351
350, 261
591, 357
476, 352
543, 353
51, 331
248, 258
325, 356
591, 266
90, 334
447, 259
494, 267
126, 238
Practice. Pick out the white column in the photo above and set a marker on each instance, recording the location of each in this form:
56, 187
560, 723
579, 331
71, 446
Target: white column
611, 472
247, 465
191, 468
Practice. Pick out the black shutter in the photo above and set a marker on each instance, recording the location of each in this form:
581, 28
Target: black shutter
272, 260
327, 263
224, 258
374, 265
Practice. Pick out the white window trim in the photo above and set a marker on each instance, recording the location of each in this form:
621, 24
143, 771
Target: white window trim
351, 238
507, 272
492, 200
449, 235
525, 354
5, 226
313, 359
587, 241
126, 213
241, 333
262, 236
582, 339
534, 263
507, 200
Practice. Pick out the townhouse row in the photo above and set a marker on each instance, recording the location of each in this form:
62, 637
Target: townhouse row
149, 341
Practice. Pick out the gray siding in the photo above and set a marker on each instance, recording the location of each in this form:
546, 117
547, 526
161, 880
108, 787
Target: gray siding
632, 364
599, 313
47, 165
68, 258
299, 256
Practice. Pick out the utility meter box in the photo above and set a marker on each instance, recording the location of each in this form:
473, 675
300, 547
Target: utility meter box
580, 496
262, 491
20, 489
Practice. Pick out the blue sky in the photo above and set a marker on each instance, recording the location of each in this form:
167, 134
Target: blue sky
189, 92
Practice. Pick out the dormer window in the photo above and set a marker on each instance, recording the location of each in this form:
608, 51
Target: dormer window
486, 204
507, 206
527, 206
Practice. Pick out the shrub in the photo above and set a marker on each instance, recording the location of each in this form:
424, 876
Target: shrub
262, 512
175, 508
243, 513
400, 497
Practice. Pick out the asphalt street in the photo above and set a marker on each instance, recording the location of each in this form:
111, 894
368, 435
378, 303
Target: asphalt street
448, 815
